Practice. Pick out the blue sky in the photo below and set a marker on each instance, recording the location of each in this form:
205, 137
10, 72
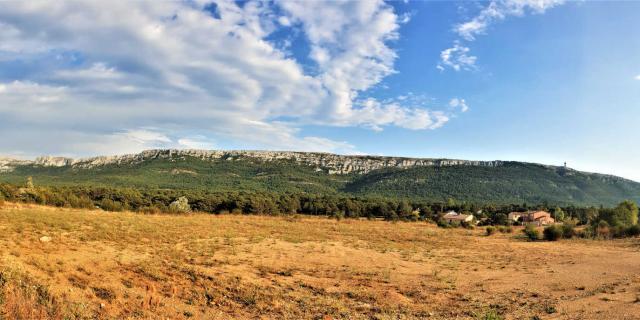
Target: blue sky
530, 80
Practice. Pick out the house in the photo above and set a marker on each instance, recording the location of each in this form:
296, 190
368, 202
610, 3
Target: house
453, 216
515, 216
540, 218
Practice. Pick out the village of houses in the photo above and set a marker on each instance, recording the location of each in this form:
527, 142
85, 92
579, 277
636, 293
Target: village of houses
537, 218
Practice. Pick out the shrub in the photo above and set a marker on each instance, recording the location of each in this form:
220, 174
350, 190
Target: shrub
618, 231
413, 216
443, 224
1, 200
552, 233
467, 225
490, 230
602, 229
505, 229
110, 205
550, 309
181, 205
568, 231
489, 315
633, 231
82, 202
150, 210
585, 233
531, 232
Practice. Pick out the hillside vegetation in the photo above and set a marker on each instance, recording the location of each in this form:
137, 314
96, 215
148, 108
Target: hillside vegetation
511, 182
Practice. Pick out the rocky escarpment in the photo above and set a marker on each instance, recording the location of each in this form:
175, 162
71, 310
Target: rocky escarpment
7, 165
330, 163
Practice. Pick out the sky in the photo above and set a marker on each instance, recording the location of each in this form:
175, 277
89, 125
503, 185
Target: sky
546, 81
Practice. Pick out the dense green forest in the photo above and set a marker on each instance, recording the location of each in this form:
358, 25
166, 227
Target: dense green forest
510, 183
513, 182
188, 173
618, 221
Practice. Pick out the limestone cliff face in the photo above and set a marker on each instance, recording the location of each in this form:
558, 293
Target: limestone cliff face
7, 165
330, 163
49, 161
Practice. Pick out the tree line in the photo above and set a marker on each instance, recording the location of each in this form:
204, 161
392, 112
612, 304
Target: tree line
338, 206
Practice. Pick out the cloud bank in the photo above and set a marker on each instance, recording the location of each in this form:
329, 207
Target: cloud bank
96, 77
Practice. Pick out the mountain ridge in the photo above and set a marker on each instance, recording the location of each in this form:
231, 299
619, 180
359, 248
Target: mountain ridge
325, 174
333, 163
330, 162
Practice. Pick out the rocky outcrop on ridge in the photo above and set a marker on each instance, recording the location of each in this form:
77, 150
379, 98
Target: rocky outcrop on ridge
330, 163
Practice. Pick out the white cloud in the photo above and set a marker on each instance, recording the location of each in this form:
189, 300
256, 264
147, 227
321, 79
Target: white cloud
499, 10
18, 93
284, 21
457, 103
348, 43
172, 66
98, 70
457, 58
637, 77
377, 114
198, 142
144, 136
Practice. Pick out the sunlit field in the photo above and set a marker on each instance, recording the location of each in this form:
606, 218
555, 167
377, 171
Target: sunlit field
73, 264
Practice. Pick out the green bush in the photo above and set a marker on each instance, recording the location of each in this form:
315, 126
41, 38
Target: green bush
552, 233
490, 230
586, 233
531, 232
150, 210
633, 231
505, 229
110, 205
413, 216
443, 224
489, 315
568, 231
618, 231
602, 229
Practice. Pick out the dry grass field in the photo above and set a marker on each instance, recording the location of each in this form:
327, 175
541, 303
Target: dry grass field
72, 264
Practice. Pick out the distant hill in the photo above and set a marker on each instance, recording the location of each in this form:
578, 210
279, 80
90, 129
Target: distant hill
497, 182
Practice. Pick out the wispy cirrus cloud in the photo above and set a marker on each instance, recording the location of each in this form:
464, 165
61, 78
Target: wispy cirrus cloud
457, 103
499, 10
458, 58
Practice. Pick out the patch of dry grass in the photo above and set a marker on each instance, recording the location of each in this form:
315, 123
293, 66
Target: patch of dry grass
127, 266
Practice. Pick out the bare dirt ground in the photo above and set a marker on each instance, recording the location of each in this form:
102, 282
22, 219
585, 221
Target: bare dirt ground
103, 265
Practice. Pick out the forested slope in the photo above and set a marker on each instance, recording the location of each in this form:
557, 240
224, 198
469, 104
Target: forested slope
510, 182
